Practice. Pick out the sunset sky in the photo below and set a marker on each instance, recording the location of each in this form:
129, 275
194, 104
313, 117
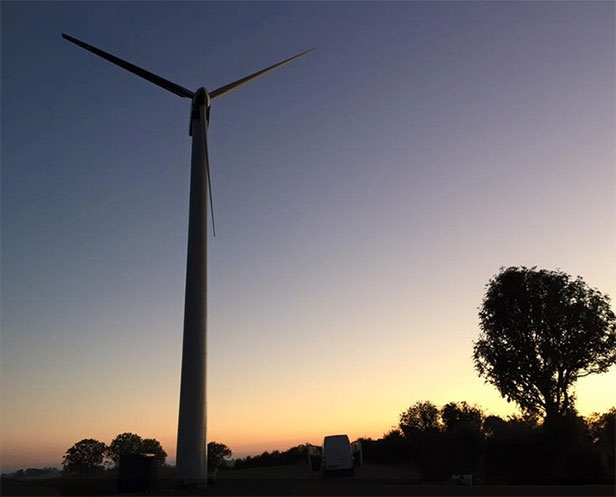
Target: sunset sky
364, 196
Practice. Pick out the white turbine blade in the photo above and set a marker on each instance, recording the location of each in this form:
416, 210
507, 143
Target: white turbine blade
207, 163
151, 77
232, 86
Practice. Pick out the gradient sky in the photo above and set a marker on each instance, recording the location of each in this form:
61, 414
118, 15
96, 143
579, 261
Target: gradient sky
364, 196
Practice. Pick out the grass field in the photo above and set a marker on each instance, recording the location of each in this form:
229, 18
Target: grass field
297, 480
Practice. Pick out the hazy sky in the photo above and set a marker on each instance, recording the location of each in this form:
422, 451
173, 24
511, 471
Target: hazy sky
364, 196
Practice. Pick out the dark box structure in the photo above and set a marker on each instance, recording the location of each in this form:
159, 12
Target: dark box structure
137, 473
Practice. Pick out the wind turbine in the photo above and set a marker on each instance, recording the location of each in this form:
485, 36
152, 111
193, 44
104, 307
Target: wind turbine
191, 459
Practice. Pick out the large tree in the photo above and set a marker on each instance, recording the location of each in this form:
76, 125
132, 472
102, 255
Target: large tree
131, 443
541, 330
85, 456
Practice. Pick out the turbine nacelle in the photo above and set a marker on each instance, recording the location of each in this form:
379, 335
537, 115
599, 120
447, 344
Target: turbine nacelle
202, 98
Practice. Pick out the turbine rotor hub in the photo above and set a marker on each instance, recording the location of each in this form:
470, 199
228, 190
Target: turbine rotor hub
202, 97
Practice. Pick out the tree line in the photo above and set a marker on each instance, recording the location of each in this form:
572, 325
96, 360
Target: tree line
294, 455
540, 331
90, 455
460, 438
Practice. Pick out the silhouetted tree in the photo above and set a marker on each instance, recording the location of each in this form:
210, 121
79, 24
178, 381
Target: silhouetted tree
85, 456
463, 438
567, 452
421, 416
511, 451
492, 424
131, 443
32, 472
460, 414
540, 331
153, 446
421, 427
294, 455
124, 443
216, 453
602, 429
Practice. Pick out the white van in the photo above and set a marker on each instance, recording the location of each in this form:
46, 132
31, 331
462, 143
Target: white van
337, 455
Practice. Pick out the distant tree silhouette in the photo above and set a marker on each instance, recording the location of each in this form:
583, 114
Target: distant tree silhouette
602, 429
85, 456
463, 438
567, 454
131, 443
540, 331
511, 451
421, 416
392, 448
32, 472
294, 455
153, 446
124, 443
492, 424
459, 414
421, 428
216, 453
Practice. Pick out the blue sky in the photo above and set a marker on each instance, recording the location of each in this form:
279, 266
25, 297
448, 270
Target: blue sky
363, 195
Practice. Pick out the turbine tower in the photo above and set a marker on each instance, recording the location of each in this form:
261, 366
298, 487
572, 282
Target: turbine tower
191, 458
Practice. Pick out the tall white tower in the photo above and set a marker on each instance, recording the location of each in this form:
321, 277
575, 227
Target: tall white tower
191, 459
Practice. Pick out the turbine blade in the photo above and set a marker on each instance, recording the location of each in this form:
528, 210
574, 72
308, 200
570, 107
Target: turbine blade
232, 86
151, 77
207, 164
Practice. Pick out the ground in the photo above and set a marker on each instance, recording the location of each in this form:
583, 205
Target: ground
297, 480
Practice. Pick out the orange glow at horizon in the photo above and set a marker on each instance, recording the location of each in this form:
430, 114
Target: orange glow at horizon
275, 425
